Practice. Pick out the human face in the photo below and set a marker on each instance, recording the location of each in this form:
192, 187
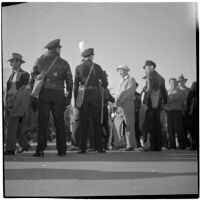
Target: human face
123, 72
173, 84
58, 49
148, 69
15, 64
182, 82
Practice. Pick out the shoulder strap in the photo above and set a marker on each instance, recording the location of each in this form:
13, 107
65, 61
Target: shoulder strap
50, 67
89, 75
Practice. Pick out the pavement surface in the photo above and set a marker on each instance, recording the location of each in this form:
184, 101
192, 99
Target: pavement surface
115, 173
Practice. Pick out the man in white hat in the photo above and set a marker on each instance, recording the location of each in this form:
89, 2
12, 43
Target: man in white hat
125, 99
182, 81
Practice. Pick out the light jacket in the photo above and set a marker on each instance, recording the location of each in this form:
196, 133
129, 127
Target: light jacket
126, 90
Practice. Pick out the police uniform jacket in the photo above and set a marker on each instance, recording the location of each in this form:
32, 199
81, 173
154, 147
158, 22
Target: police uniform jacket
97, 74
59, 75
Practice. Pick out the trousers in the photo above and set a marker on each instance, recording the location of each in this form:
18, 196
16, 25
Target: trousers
14, 133
128, 110
175, 125
90, 109
152, 125
51, 101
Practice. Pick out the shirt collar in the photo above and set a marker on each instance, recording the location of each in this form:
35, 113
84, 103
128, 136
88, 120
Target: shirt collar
125, 77
16, 71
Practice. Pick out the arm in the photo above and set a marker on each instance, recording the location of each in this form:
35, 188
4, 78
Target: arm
69, 83
164, 92
34, 73
111, 98
102, 77
76, 84
129, 92
175, 97
25, 79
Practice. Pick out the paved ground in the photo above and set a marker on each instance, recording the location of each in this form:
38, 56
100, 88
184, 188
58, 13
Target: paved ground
115, 173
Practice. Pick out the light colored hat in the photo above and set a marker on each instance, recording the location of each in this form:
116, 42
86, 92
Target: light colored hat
123, 67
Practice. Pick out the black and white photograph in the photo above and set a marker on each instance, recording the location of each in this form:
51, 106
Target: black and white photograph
100, 99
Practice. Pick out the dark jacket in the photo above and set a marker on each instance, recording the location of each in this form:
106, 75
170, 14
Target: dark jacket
59, 76
155, 82
22, 80
108, 97
82, 72
137, 101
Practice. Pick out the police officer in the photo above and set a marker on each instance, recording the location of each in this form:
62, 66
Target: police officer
52, 97
92, 103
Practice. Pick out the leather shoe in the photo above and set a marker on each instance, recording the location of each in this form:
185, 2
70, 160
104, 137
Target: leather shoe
9, 153
101, 151
38, 154
27, 148
171, 147
129, 149
62, 154
81, 152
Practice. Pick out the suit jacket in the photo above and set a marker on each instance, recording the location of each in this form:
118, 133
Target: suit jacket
81, 74
22, 79
126, 90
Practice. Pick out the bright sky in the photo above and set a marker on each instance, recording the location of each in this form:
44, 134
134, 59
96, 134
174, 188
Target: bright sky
121, 33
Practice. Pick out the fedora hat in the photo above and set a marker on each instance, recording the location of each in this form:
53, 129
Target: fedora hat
149, 63
123, 67
53, 44
16, 56
181, 77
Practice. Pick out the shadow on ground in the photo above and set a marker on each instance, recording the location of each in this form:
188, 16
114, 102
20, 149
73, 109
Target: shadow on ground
167, 155
42, 174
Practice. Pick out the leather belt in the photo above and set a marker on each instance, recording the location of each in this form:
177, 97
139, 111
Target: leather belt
91, 87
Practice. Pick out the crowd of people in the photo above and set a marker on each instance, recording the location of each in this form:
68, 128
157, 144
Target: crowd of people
40, 102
